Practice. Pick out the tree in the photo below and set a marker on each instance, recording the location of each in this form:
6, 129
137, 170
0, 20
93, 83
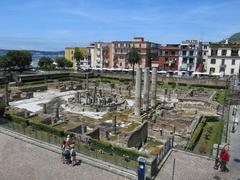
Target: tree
5, 63
133, 57
61, 62
78, 55
19, 59
69, 64
2, 107
45, 63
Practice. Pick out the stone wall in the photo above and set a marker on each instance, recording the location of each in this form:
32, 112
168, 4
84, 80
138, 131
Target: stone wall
35, 88
139, 136
95, 134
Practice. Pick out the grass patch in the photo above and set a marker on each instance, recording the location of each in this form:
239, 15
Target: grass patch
205, 135
209, 137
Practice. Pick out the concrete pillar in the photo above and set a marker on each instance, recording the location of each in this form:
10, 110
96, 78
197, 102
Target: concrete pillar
94, 94
154, 87
6, 95
44, 108
77, 97
114, 125
138, 89
57, 112
120, 90
146, 90
83, 129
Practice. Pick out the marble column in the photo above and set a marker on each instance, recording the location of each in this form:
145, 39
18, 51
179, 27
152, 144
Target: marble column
154, 87
114, 125
146, 90
138, 90
44, 108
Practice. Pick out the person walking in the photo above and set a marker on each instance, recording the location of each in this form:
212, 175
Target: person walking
73, 155
63, 149
224, 158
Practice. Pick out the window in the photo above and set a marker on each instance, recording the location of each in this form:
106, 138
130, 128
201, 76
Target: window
214, 52
191, 60
184, 53
190, 53
232, 71
204, 60
213, 61
224, 52
212, 70
166, 53
234, 52
184, 60
205, 53
173, 53
233, 61
120, 64
72, 52
205, 47
223, 62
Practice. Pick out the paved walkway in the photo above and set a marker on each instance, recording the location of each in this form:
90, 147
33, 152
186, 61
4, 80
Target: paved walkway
23, 161
234, 163
190, 166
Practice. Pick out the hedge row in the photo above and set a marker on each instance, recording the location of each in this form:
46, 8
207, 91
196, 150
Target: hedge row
115, 150
198, 131
35, 125
95, 144
196, 135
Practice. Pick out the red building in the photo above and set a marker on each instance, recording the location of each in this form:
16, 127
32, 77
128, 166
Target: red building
168, 58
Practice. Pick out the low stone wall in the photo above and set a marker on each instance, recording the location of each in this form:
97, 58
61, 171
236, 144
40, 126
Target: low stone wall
35, 88
139, 136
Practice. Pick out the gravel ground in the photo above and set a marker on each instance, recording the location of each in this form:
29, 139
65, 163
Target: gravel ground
192, 167
22, 161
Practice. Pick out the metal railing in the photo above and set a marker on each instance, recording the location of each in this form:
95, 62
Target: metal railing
81, 147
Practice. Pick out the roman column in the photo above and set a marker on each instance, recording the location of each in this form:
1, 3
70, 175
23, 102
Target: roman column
138, 88
154, 87
146, 90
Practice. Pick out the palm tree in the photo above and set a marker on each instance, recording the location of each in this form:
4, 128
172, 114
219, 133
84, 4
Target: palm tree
133, 57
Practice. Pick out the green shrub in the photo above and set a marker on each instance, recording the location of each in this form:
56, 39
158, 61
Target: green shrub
196, 134
115, 150
35, 125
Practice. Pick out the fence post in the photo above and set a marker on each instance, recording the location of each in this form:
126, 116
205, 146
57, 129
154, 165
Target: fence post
48, 137
173, 171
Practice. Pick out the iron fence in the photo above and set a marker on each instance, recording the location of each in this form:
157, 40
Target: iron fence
82, 148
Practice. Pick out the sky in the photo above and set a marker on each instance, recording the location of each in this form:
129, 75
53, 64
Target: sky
56, 24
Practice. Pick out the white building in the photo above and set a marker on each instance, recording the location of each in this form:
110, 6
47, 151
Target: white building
223, 58
189, 56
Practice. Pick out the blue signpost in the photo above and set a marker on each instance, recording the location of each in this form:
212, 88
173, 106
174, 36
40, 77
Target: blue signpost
141, 168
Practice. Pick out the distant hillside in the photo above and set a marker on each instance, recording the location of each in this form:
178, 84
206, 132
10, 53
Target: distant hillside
36, 55
235, 38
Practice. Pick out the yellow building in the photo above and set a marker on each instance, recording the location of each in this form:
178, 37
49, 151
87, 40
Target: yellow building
69, 55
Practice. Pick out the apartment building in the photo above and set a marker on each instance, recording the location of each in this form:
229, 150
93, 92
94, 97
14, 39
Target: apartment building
168, 58
148, 51
223, 58
103, 55
69, 55
205, 54
190, 56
